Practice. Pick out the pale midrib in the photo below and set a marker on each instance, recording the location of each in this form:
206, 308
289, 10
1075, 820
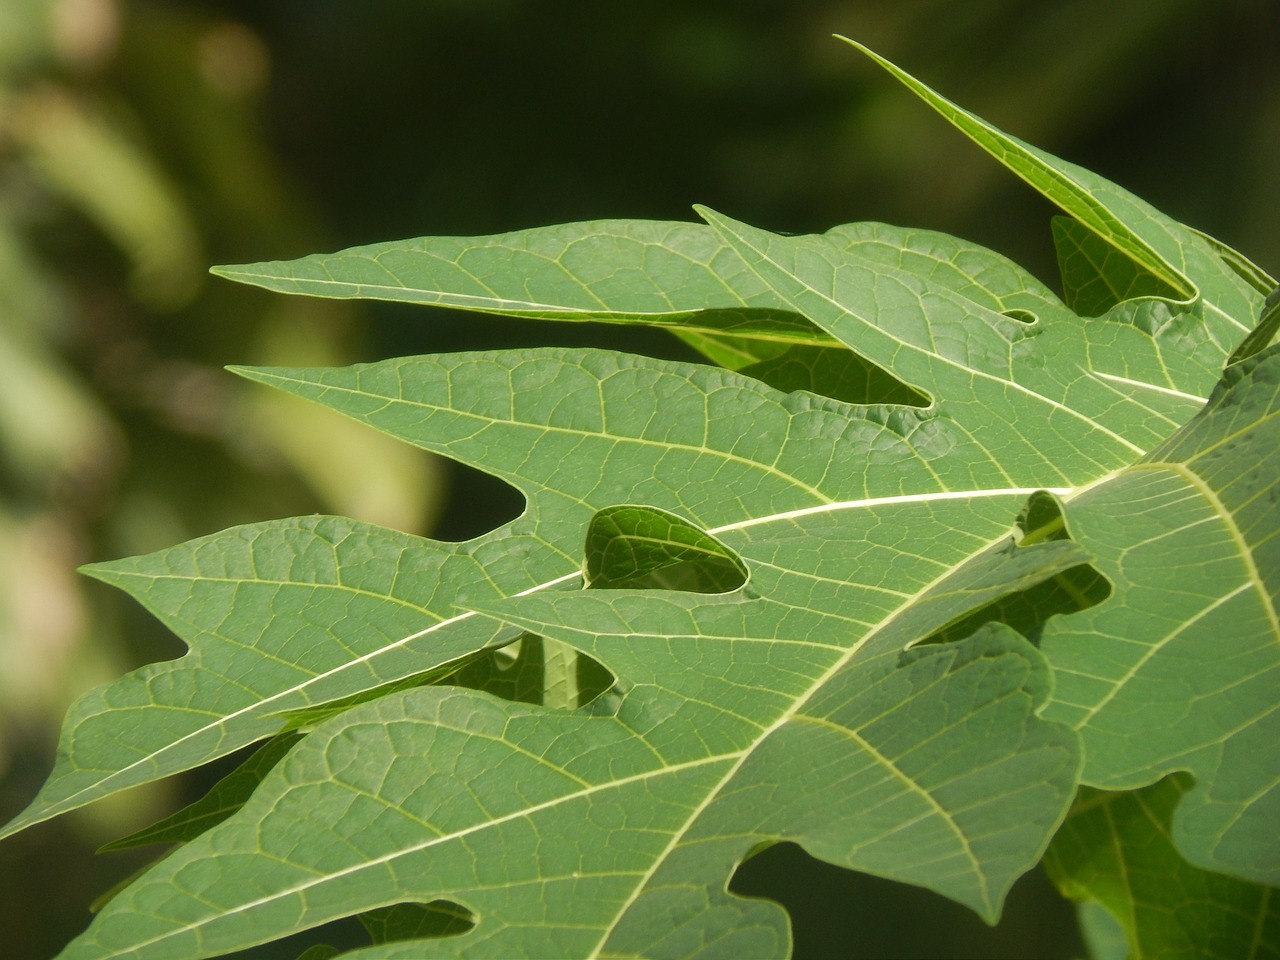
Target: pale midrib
272, 582
1242, 544
1143, 385
1118, 684
883, 501
1243, 327
543, 429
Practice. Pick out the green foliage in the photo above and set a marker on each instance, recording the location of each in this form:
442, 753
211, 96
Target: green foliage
124, 166
1116, 849
935, 550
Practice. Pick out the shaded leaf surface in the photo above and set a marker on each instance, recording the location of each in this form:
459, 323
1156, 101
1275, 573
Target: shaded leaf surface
1116, 849
227, 796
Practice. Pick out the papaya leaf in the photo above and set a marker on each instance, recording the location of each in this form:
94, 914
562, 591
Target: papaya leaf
869, 590
1203, 273
725, 698
225, 798
1115, 851
1178, 669
452, 789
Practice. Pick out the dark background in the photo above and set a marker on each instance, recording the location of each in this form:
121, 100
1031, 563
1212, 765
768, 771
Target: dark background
142, 141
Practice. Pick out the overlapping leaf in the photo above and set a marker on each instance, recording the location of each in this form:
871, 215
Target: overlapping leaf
1179, 669
959, 290
1178, 259
782, 710
1115, 849
836, 533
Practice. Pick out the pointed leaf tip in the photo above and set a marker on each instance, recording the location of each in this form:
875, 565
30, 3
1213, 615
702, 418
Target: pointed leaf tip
1095, 202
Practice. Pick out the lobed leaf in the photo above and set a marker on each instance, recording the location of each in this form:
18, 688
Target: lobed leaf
699, 708
279, 616
933, 770
1178, 669
801, 579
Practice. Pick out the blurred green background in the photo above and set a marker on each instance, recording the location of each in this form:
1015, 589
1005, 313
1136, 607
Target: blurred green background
142, 141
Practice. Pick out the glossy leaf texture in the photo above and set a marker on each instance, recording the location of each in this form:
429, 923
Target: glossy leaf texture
814, 579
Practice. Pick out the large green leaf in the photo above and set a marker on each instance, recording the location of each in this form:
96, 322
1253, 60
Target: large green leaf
645, 426
784, 709
584, 836
803, 576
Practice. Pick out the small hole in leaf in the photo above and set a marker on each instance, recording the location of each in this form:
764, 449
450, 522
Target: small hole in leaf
1022, 316
417, 921
537, 670
644, 548
1041, 521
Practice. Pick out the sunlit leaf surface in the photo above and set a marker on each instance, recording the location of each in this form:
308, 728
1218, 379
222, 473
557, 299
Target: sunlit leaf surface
932, 552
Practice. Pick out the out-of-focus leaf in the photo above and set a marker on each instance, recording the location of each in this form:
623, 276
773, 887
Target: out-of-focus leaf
1116, 851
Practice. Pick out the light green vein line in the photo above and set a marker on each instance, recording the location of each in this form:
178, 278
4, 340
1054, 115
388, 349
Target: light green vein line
785, 717
1130, 902
1259, 940
443, 838
496, 304
266, 582
544, 429
1119, 683
971, 371
894, 771
882, 501
1142, 385
1228, 519
1242, 545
